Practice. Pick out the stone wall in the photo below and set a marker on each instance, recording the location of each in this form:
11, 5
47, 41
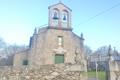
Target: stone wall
114, 70
46, 72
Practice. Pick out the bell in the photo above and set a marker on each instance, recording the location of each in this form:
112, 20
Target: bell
64, 17
55, 16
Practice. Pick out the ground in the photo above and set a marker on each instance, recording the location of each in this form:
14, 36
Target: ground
92, 75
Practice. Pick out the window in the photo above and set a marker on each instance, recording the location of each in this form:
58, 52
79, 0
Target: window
25, 62
59, 58
60, 40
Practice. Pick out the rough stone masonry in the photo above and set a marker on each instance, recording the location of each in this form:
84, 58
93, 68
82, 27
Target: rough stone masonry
46, 72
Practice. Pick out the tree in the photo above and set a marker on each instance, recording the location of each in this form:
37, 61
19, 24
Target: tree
2, 47
12, 50
103, 50
7, 52
2, 43
88, 50
100, 55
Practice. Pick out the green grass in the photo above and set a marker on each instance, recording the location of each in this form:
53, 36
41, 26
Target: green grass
101, 74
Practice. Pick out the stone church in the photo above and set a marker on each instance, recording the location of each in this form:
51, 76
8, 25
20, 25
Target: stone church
54, 53
55, 43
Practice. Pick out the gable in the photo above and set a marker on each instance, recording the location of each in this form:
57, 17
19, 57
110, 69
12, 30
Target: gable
58, 5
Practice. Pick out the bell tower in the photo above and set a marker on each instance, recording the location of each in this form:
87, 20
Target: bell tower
59, 16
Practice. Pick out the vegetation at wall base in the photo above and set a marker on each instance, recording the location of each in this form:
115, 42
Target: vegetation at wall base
101, 75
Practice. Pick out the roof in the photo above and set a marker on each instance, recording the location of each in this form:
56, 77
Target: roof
58, 4
42, 30
75, 35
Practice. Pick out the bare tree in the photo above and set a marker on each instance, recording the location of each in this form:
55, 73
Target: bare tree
12, 50
88, 50
7, 52
103, 50
2, 43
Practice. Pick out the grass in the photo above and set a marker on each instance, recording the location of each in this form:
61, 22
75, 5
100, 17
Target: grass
101, 74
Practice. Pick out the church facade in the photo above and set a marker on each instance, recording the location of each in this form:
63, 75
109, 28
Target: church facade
55, 43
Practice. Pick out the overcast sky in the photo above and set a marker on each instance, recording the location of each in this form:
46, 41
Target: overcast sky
98, 20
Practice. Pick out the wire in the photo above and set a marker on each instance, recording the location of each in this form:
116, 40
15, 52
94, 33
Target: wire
102, 12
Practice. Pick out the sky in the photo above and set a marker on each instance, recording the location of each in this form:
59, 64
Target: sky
98, 20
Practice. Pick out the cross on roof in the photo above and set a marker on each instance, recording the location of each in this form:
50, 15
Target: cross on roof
60, 1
